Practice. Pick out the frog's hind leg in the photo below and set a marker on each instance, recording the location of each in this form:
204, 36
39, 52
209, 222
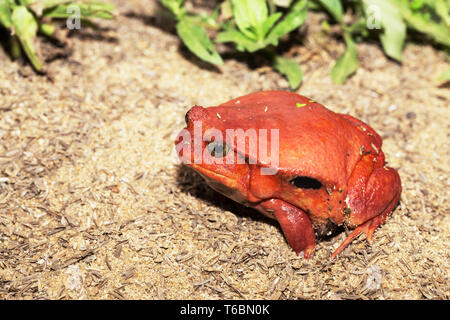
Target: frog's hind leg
380, 198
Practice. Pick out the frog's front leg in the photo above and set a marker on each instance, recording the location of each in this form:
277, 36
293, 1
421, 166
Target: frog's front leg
295, 224
373, 192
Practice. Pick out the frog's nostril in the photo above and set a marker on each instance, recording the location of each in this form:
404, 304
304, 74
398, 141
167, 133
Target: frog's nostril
196, 113
186, 118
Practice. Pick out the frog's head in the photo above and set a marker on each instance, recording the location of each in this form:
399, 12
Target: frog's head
207, 146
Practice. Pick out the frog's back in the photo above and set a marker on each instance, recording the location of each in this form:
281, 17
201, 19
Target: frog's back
313, 140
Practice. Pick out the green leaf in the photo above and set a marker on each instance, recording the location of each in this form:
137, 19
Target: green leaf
5, 14
359, 26
434, 9
387, 14
47, 29
290, 68
209, 21
294, 19
24, 22
268, 24
226, 11
443, 11
347, 63
25, 26
88, 10
203, 19
176, 7
444, 76
196, 39
14, 47
52, 3
26, 2
242, 42
438, 32
416, 4
334, 7
250, 16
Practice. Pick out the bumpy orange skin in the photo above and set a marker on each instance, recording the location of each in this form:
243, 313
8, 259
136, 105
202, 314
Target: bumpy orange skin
341, 152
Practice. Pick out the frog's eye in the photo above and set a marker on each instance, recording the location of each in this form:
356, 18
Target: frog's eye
217, 149
306, 182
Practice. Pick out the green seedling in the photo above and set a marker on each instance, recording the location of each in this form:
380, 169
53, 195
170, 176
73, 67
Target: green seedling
26, 19
389, 20
251, 27
256, 25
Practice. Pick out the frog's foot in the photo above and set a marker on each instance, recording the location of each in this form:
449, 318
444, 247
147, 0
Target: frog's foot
372, 196
368, 227
295, 224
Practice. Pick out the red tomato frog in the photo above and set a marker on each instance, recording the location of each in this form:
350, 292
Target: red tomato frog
293, 160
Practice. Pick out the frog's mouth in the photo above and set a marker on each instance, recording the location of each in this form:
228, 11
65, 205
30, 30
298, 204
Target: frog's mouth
210, 174
231, 187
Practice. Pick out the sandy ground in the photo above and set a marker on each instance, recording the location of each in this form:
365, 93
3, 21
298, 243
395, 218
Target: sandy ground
94, 205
